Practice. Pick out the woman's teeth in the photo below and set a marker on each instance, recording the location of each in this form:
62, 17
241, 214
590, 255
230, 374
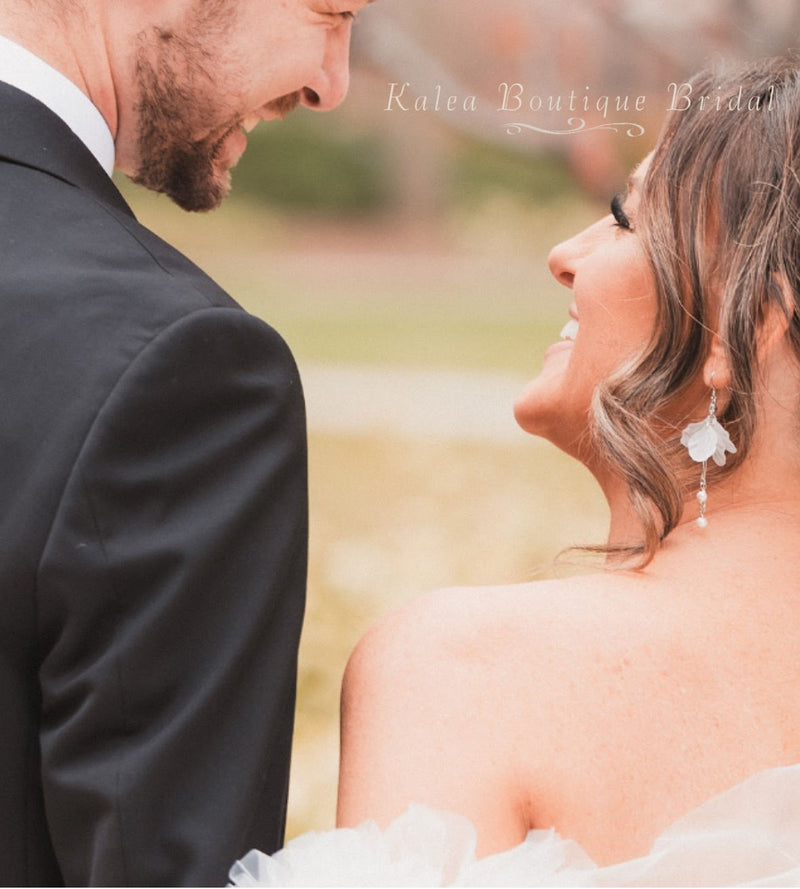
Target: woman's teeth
570, 330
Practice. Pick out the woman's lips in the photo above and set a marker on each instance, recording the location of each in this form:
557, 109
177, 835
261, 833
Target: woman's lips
568, 333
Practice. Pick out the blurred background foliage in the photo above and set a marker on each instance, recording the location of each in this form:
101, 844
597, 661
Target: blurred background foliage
403, 255
328, 171
310, 167
367, 160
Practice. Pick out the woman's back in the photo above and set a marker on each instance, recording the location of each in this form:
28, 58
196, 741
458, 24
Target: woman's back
604, 705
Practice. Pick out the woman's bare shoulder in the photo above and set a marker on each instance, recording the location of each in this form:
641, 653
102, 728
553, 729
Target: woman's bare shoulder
467, 698
541, 635
462, 620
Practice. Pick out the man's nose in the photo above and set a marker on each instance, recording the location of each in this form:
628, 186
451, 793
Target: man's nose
330, 85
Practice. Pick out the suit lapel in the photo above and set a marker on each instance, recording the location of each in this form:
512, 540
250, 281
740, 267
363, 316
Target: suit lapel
33, 136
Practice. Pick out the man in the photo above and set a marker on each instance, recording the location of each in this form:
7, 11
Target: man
152, 469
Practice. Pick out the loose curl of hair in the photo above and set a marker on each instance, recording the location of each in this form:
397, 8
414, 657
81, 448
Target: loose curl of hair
719, 218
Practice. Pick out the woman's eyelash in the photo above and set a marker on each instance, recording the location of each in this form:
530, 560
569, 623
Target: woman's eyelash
620, 216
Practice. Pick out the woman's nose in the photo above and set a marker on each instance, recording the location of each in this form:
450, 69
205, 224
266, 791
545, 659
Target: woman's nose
561, 262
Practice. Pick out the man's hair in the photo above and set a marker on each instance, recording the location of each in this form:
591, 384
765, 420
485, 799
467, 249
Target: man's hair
719, 218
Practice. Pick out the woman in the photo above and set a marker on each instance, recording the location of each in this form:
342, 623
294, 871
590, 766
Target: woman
608, 706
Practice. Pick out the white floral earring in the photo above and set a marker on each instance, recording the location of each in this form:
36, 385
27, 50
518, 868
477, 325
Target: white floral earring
703, 440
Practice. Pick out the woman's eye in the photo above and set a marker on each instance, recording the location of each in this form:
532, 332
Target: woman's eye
620, 216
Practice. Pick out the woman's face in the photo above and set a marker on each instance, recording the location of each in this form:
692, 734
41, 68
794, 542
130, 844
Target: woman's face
611, 317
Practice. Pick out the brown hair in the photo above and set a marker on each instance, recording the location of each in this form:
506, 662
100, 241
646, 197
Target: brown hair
719, 218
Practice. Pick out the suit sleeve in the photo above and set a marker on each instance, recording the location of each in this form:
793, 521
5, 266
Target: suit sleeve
171, 595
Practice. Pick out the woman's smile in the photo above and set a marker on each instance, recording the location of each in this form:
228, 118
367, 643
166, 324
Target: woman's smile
611, 316
568, 333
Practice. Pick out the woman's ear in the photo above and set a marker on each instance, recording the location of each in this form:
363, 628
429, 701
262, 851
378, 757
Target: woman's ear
717, 367
776, 315
773, 323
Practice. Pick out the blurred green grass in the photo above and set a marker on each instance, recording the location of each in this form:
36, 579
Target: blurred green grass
471, 291
392, 517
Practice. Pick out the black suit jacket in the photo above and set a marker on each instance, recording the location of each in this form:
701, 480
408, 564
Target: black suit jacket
153, 535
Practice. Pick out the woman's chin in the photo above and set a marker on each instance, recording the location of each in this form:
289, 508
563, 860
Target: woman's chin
541, 401
536, 410
547, 408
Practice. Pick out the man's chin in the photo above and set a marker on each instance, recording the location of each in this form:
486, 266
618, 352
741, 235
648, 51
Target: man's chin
202, 200
195, 187
210, 199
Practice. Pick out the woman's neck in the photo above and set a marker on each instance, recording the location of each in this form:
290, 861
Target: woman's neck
758, 501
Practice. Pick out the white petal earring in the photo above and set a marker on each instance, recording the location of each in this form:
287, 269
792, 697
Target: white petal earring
703, 440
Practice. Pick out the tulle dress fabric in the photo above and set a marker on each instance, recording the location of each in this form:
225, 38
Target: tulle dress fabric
747, 836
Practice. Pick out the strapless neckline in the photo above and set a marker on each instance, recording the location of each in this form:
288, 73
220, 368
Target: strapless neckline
746, 836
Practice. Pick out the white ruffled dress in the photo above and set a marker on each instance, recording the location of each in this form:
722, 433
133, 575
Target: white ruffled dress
747, 836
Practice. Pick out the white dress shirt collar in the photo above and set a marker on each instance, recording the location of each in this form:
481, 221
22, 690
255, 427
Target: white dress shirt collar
21, 68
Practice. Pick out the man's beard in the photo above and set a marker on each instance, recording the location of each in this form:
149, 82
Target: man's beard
171, 160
